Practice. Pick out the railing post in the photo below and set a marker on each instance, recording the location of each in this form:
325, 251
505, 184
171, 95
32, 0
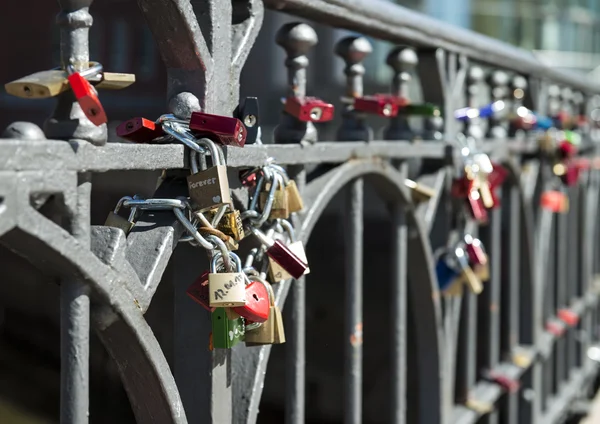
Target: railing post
68, 120
498, 81
354, 50
475, 79
403, 61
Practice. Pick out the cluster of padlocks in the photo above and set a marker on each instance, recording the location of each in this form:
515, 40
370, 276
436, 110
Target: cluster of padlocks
238, 293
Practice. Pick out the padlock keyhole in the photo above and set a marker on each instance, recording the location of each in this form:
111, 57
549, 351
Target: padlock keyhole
255, 297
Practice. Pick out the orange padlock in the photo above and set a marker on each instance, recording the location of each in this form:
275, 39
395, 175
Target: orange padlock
554, 201
86, 94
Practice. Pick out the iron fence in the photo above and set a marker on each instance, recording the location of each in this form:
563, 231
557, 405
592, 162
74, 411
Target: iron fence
520, 352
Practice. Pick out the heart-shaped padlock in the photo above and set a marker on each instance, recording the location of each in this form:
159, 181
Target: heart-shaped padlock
199, 291
257, 304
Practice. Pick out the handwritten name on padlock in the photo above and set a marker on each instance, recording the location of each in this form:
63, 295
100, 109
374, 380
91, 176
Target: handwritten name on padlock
220, 294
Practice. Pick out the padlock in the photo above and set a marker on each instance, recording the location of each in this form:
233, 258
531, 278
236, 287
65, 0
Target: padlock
209, 188
226, 289
568, 316
294, 199
566, 150
279, 204
480, 406
419, 192
40, 85
232, 225
466, 272
556, 328
257, 307
495, 179
139, 130
509, 385
272, 330
309, 109
248, 113
476, 206
385, 105
248, 179
467, 113
198, 291
423, 109
282, 255
554, 201
114, 81
86, 94
229, 241
446, 271
226, 332
221, 129
117, 221
276, 271
478, 259
570, 173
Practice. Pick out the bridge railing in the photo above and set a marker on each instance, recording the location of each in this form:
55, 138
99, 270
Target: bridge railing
521, 351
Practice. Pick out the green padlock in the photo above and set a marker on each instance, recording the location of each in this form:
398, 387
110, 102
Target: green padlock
423, 109
228, 328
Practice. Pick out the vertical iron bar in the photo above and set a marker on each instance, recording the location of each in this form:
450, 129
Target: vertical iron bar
573, 275
354, 306
296, 343
562, 244
398, 311
75, 323
514, 282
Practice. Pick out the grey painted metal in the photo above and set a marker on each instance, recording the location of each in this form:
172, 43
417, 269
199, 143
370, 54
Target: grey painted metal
75, 322
399, 312
353, 330
397, 24
295, 402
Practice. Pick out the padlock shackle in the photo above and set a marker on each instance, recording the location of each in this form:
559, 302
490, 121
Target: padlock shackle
93, 69
120, 203
155, 204
232, 256
263, 238
281, 171
289, 228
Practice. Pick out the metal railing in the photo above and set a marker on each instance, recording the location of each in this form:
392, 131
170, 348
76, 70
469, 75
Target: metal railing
520, 352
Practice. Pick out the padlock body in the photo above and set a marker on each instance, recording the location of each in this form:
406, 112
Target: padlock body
226, 289
117, 221
226, 332
232, 225
295, 202
283, 256
419, 192
278, 273
571, 176
139, 130
309, 109
279, 331
40, 85
199, 292
257, 304
115, 81
476, 206
475, 253
209, 188
445, 274
265, 334
385, 105
221, 129
88, 99
471, 280
280, 207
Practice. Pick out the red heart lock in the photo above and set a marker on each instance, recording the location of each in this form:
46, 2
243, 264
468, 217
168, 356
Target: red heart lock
88, 99
198, 291
257, 305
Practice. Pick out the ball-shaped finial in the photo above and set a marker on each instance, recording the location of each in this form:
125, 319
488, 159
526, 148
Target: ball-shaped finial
353, 49
554, 91
402, 59
23, 131
566, 93
519, 82
476, 74
183, 104
498, 78
578, 97
296, 38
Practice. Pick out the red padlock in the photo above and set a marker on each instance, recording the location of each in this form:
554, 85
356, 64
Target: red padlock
498, 175
508, 384
258, 304
555, 328
309, 109
385, 105
222, 129
139, 130
87, 97
566, 150
554, 201
571, 175
248, 179
198, 291
282, 255
568, 316
476, 206
475, 250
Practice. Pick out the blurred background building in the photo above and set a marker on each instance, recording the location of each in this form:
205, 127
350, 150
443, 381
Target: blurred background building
563, 33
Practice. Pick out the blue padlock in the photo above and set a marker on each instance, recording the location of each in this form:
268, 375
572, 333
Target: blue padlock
543, 122
446, 271
466, 113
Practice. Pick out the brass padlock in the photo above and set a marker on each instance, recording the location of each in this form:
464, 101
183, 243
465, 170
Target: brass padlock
276, 271
114, 81
466, 276
226, 289
279, 205
295, 202
39, 85
232, 225
419, 192
117, 221
208, 188
271, 331
230, 242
